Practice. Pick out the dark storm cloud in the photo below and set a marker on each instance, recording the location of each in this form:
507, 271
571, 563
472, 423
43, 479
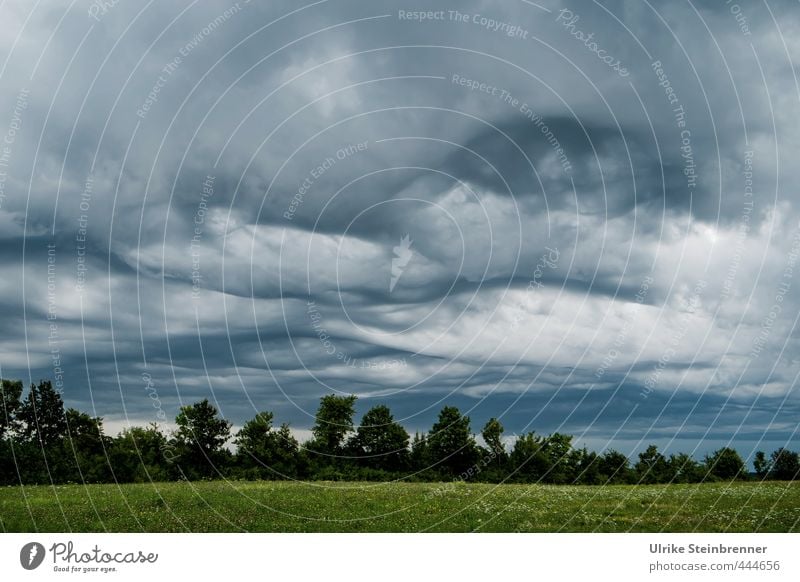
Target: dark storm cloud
240, 244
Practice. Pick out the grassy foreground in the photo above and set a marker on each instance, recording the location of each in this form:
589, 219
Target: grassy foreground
400, 507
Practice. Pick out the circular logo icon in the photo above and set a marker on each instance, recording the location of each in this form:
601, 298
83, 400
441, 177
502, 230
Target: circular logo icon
31, 555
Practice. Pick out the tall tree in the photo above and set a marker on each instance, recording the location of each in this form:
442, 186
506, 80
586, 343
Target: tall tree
87, 446
557, 448
761, 464
492, 434
529, 461
138, 455
682, 468
785, 465
451, 444
265, 451
615, 467
652, 466
200, 440
495, 457
42, 415
549, 459
10, 402
586, 467
334, 421
381, 442
420, 459
725, 463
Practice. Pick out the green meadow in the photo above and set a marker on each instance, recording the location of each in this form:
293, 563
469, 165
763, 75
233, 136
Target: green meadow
276, 506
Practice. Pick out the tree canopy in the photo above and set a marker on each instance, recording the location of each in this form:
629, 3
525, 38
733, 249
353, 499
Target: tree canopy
42, 441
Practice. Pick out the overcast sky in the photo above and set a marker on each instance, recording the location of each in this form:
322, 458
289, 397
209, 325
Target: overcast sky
580, 217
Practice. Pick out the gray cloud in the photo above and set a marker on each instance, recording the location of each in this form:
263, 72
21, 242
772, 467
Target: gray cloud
578, 258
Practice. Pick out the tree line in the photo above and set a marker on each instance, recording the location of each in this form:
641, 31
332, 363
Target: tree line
43, 442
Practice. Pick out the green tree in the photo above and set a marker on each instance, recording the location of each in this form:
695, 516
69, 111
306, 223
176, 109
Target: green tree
381, 442
557, 448
682, 468
86, 448
420, 458
265, 451
761, 464
8, 466
615, 467
529, 462
200, 440
139, 455
586, 467
492, 434
40, 429
495, 457
334, 421
42, 415
10, 402
652, 467
451, 445
785, 465
725, 463
538, 458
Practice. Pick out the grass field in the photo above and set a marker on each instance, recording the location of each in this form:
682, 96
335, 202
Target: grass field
400, 507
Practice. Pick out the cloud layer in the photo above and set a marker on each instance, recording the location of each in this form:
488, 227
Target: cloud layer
263, 204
